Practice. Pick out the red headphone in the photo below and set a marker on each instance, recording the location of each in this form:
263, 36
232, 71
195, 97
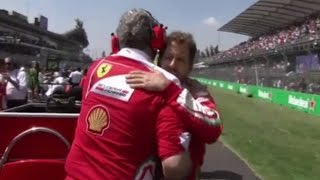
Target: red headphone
157, 40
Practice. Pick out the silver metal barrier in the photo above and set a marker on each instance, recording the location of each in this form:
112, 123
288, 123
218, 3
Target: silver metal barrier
27, 132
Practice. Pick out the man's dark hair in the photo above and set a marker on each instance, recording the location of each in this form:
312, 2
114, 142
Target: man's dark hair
112, 34
184, 38
161, 25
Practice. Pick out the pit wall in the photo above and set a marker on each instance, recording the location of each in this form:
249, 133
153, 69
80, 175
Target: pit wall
308, 103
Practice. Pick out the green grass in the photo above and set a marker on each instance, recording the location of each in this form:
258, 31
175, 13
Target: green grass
278, 143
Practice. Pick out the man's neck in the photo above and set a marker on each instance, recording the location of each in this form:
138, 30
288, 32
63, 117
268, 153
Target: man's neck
134, 53
183, 83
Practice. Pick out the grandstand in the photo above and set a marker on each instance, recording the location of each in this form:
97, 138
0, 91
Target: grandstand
282, 51
28, 42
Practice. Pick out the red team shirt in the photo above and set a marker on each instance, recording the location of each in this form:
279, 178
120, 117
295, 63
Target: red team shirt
113, 140
112, 134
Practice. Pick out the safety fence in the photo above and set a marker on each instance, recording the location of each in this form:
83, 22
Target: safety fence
309, 103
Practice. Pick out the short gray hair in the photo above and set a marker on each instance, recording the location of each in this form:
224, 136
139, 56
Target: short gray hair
135, 29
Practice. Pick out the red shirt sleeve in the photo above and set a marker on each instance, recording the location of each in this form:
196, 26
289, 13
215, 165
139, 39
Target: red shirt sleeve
171, 93
171, 134
200, 114
208, 128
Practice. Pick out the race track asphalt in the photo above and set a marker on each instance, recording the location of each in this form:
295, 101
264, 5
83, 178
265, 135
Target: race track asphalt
222, 164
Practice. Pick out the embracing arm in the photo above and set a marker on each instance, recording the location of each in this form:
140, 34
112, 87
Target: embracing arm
194, 102
173, 145
205, 121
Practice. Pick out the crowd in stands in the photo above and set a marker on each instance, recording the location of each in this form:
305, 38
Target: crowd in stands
277, 76
306, 31
276, 73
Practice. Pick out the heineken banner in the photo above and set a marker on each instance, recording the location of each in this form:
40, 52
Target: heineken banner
305, 102
263, 93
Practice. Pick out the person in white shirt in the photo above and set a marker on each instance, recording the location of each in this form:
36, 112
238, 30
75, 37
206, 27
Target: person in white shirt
58, 84
75, 77
16, 88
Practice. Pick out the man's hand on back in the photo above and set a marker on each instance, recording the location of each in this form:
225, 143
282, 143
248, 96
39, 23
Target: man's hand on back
151, 81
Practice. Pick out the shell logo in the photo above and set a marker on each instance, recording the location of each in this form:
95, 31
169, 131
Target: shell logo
98, 119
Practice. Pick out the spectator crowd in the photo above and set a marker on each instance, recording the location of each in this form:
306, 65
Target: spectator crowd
306, 31
278, 73
22, 84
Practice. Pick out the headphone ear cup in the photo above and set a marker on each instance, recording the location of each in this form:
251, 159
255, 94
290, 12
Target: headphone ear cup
158, 40
153, 41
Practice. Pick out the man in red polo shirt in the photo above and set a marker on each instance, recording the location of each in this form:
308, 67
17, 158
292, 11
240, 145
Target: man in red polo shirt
178, 59
114, 44
121, 130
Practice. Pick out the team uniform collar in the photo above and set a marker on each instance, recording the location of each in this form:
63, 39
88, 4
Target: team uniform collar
142, 57
134, 54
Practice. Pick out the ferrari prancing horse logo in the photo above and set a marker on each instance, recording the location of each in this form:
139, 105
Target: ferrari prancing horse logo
103, 69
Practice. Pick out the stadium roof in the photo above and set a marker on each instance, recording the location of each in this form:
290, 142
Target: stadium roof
266, 15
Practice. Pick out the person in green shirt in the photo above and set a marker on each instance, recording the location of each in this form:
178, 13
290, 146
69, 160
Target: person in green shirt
34, 80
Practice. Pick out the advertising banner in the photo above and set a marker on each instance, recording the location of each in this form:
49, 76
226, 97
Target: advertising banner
264, 93
309, 103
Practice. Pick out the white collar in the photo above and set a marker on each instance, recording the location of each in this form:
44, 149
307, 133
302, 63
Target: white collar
134, 54
142, 57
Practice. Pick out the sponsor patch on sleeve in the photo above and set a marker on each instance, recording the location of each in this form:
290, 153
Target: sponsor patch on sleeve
98, 119
114, 87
